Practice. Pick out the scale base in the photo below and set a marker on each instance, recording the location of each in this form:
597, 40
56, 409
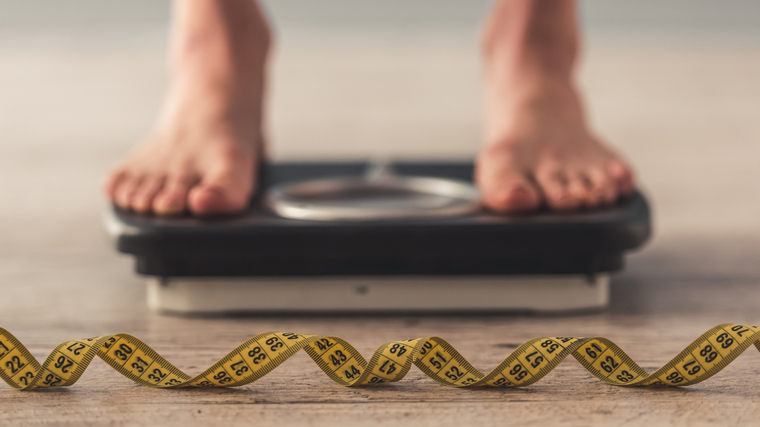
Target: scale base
267, 295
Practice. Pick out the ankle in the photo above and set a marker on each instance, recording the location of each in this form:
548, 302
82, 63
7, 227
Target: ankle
219, 78
527, 93
531, 37
221, 58
201, 45
204, 109
523, 58
227, 58
527, 72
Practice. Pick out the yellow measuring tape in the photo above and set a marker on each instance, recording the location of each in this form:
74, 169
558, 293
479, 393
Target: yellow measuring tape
253, 359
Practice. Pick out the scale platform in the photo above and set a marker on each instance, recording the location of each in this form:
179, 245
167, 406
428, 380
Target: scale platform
287, 254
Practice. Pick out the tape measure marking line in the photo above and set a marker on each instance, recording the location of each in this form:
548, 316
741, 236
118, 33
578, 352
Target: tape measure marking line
703, 342
222, 373
501, 370
626, 365
385, 368
549, 360
464, 364
124, 346
382, 367
257, 370
553, 359
516, 368
401, 353
343, 361
711, 343
431, 360
152, 375
48, 377
614, 359
255, 360
732, 354
742, 343
670, 367
404, 356
66, 368
368, 376
333, 357
335, 351
18, 362
604, 353
157, 358
11, 344
450, 373
689, 352
252, 371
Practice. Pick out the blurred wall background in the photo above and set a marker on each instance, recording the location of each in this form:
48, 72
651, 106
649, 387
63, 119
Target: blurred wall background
673, 84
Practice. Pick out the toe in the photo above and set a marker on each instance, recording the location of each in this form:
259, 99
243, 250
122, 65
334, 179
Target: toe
211, 198
556, 193
111, 183
512, 194
504, 187
622, 176
578, 189
125, 190
225, 191
172, 198
602, 187
142, 199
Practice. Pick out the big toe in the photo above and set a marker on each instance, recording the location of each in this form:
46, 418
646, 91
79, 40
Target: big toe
512, 195
172, 199
214, 198
504, 187
622, 176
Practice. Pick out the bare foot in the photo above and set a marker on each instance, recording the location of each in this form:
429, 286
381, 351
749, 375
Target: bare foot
539, 150
541, 153
205, 152
200, 161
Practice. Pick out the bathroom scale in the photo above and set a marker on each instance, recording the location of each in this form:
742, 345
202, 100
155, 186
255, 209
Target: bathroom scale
361, 236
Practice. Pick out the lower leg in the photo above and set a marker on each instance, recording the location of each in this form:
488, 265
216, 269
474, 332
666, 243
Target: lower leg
538, 148
205, 149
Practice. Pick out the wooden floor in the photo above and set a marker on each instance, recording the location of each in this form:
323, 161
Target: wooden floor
686, 117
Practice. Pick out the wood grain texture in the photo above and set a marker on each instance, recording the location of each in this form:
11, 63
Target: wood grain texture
688, 119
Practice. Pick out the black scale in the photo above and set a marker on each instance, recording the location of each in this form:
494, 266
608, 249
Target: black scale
260, 261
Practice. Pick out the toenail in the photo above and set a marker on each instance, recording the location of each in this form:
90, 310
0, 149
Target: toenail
559, 195
507, 203
512, 192
171, 205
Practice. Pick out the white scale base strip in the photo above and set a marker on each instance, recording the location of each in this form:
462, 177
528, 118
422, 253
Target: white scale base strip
548, 293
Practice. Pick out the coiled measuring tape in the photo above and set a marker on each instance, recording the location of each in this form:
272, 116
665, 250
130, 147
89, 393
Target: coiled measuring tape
253, 359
